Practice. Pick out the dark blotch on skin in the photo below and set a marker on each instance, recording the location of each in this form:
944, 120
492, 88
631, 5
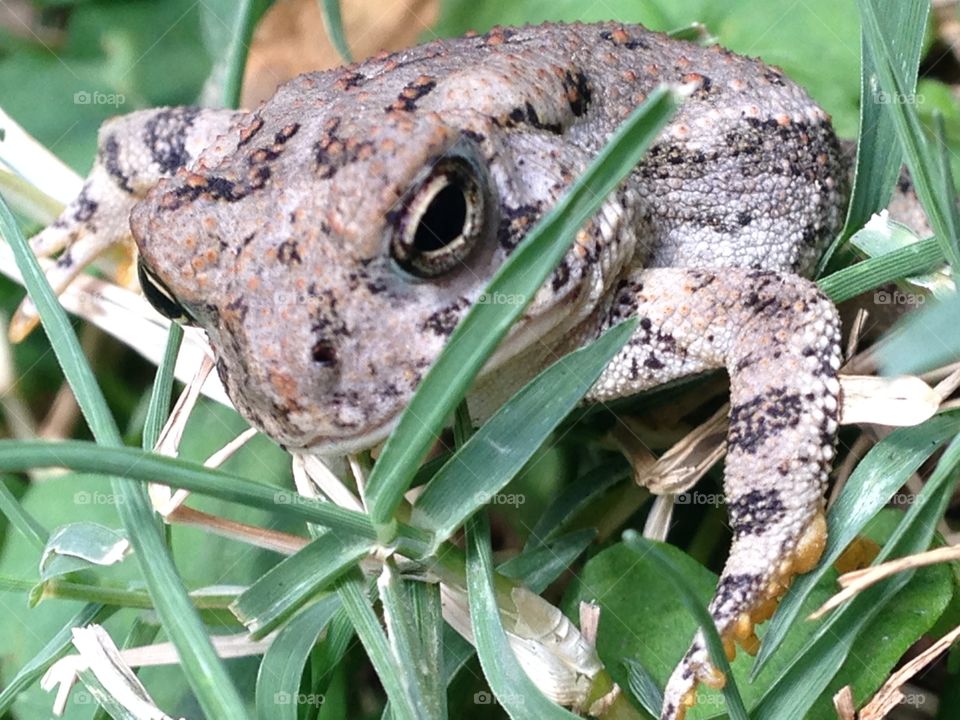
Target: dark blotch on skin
754, 512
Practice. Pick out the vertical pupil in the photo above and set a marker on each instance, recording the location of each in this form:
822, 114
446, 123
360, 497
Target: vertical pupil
443, 220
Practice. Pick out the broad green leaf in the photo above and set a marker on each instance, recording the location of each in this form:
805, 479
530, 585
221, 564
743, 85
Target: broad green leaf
653, 552
510, 438
479, 332
228, 28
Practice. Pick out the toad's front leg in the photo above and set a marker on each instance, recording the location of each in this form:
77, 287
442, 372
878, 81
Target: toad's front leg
134, 152
778, 337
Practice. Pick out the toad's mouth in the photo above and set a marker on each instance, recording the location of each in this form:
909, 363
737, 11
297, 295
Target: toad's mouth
350, 444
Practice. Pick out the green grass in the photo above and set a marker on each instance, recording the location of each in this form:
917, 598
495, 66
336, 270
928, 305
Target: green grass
532, 521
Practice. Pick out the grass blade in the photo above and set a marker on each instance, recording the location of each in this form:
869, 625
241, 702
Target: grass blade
135, 464
923, 340
513, 689
353, 595
801, 683
924, 168
203, 669
879, 475
56, 647
478, 334
159, 408
278, 679
333, 22
420, 661
648, 548
25, 523
510, 438
288, 585
905, 262
879, 157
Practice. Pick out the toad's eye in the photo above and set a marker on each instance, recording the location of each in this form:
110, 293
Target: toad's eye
160, 297
441, 219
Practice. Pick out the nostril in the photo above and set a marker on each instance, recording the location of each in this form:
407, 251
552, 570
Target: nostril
324, 353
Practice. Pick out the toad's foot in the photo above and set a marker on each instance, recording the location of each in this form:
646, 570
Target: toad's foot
778, 338
134, 152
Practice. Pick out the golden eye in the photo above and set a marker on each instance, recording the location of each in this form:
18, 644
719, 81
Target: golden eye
160, 297
441, 219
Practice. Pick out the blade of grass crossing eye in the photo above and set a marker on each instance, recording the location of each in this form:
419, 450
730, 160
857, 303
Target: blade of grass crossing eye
291, 583
203, 669
25, 523
278, 679
800, 684
688, 597
353, 595
905, 262
333, 22
512, 687
56, 648
924, 168
877, 478
419, 669
509, 439
879, 157
479, 332
159, 408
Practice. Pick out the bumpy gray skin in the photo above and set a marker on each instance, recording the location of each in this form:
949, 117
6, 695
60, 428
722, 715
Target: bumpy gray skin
278, 243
